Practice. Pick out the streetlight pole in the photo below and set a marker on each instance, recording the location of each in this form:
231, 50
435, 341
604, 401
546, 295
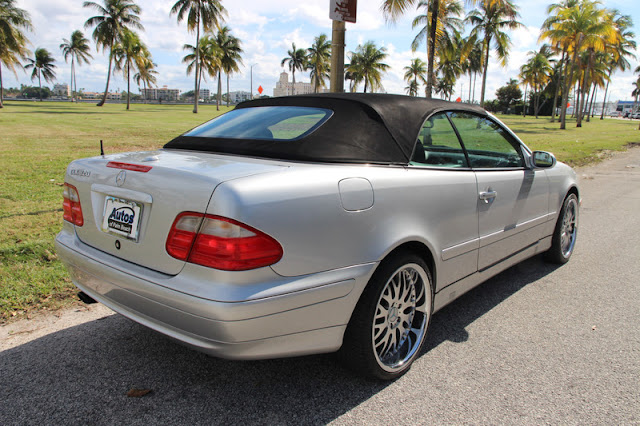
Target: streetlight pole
251, 68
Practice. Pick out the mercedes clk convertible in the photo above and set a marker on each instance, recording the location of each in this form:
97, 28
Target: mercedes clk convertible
313, 224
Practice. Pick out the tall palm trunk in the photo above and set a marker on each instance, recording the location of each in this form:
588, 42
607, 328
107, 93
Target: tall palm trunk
106, 89
293, 87
565, 92
555, 96
432, 48
487, 42
475, 75
606, 89
128, 84
469, 98
1, 88
40, 86
524, 107
219, 94
586, 84
72, 76
197, 78
593, 95
227, 90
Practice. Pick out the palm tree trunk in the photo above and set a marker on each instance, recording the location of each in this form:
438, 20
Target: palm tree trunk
227, 90
293, 86
40, 86
593, 95
475, 75
524, 107
71, 97
604, 101
537, 103
555, 96
128, 84
1, 88
196, 93
585, 86
432, 48
106, 89
565, 92
219, 94
487, 41
469, 98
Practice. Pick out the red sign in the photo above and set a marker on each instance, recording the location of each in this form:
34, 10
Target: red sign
260, 89
343, 10
459, 99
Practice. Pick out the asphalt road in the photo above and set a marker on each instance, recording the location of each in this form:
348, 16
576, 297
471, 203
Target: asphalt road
537, 344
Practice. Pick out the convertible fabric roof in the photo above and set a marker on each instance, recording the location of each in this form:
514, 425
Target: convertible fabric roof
365, 128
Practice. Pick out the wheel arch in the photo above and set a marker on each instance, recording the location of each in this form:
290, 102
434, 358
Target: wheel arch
420, 249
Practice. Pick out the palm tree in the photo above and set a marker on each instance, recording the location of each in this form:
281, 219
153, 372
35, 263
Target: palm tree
208, 14
146, 73
78, 50
230, 55
437, 30
415, 74
109, 23
319, 61
473, 64
366, 65
43, 67
130, 54
579, 26
620, 51
537, 72
206, 60
13, 43
412, 88
296, 59
490, 20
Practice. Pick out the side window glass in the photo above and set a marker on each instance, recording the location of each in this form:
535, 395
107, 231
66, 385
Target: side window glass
488, 144
438, 145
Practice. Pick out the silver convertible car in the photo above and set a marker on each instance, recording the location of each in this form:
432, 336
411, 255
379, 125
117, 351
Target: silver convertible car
313, 224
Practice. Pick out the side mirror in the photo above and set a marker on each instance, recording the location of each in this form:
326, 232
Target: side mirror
543, 159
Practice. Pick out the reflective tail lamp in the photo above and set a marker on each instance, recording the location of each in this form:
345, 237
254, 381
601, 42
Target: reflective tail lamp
72, 210
220, 243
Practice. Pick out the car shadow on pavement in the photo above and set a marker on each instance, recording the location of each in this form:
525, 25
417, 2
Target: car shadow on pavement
81, 375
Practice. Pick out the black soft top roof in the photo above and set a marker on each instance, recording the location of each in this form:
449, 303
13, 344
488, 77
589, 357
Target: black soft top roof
369, 128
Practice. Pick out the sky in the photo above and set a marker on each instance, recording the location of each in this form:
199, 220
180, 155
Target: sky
268, 28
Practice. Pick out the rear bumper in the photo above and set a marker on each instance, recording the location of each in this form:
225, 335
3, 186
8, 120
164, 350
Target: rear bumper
310, 319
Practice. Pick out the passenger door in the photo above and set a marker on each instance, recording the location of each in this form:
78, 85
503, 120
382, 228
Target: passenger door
512, 200
444, 192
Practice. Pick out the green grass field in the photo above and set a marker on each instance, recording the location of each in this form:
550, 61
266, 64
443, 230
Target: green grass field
38, 140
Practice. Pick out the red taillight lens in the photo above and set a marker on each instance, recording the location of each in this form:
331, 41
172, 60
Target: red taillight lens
128, 166
72, 210
221, 243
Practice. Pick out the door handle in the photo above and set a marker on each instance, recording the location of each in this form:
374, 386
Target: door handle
486, 196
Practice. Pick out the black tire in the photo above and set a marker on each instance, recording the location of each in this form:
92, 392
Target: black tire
565, 233
382, 342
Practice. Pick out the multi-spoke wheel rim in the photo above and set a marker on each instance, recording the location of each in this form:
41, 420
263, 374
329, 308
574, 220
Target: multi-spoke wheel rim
401, 317
569, 228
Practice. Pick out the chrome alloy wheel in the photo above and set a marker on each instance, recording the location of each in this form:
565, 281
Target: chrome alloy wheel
401, 317
569, 227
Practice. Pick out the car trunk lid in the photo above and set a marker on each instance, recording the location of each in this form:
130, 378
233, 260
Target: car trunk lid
129, 201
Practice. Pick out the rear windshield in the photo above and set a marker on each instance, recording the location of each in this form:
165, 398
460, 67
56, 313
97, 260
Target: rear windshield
267, 123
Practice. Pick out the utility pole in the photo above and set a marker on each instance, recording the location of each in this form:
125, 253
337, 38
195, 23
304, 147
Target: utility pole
337, 57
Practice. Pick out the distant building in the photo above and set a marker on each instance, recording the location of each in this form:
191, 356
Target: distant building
61, 90
161, 93
205, 94
115, 96
285, 88
239, 96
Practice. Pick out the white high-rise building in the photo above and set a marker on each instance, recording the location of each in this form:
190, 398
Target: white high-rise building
286, 88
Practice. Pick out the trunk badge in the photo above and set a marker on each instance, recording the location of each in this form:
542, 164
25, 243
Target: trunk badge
122, 176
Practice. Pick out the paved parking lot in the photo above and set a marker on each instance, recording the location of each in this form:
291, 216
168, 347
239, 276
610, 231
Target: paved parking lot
536, 344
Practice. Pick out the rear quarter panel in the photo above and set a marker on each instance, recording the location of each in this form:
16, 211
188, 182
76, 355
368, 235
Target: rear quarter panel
302, 209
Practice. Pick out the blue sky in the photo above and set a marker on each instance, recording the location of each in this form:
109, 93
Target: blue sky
267, 29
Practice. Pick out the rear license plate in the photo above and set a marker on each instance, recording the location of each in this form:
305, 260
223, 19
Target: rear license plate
122, 217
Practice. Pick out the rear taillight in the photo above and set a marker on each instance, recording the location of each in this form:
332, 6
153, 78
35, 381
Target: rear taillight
72, 210
221, 243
